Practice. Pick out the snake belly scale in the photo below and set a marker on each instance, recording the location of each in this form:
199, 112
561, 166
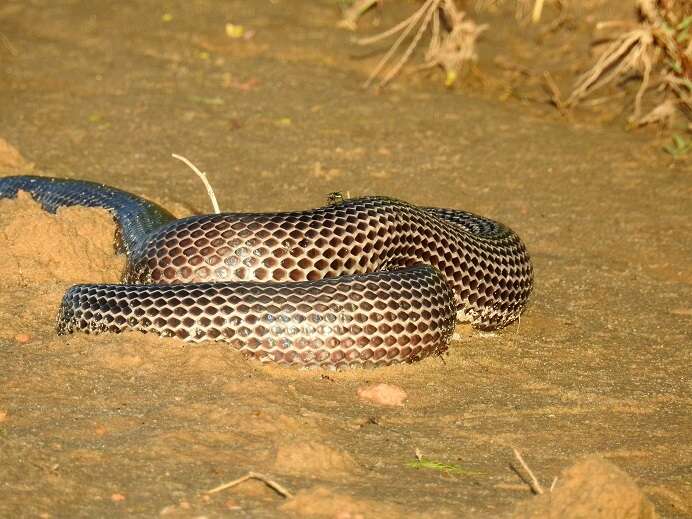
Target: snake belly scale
361, 282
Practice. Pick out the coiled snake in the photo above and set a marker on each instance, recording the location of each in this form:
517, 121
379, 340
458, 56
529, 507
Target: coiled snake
360, 282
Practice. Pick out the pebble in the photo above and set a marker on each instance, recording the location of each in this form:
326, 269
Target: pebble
382, 394
22, 338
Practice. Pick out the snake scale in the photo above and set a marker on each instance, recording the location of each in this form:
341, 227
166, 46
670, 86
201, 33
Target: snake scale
360, 282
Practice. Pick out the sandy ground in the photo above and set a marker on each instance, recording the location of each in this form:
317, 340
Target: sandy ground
134, 425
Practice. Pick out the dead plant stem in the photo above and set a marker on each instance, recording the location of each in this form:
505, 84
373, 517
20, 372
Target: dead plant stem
279, 489
533, 482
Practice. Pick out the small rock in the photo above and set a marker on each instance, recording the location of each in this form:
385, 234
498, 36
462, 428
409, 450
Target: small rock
382, 394
232, 504
167, 510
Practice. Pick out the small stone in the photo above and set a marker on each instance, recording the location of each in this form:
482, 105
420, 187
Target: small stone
167, 510
232, 504
22, 338
382, 394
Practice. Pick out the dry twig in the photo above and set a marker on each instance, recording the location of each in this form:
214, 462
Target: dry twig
8, 45
537, 10
203, 176
279, 489
555, 95
523, 8
552, 485
533, 482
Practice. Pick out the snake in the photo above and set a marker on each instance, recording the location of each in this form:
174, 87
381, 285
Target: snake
360, 282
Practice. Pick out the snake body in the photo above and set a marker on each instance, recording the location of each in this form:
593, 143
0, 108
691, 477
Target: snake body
360, 282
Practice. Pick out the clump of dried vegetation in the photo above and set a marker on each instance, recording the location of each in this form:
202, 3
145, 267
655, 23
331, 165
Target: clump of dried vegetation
453, 35
655, 50
452, 40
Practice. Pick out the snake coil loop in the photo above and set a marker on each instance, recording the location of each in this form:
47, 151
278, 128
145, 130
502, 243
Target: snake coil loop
360, 282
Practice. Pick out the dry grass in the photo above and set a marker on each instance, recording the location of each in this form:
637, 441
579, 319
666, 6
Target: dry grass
452, 39
657, 51
453, 34
524, 9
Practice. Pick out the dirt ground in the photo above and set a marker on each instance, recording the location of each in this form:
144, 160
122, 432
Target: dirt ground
135, 425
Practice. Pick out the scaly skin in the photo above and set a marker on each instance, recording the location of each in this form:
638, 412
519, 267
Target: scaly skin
366, 281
